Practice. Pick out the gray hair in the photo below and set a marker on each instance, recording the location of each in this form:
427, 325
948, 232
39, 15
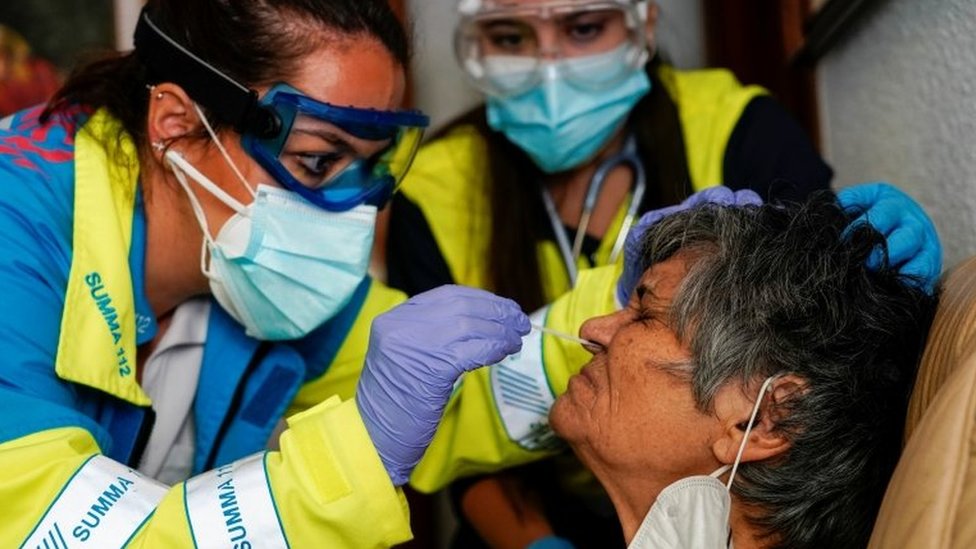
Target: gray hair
785, 289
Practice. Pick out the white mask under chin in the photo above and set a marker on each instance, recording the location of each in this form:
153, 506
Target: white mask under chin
691, 513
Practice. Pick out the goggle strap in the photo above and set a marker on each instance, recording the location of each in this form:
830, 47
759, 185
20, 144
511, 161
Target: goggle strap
223, 151
233, 103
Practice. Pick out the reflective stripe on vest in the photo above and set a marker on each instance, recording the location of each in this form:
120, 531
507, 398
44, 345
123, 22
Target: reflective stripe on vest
232, 506
102, 505
522, 395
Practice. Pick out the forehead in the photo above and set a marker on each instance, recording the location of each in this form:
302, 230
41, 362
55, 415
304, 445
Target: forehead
353, 71
664, 278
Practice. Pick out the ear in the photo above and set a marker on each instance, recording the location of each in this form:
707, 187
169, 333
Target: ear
171, 116
650, 25
765, 439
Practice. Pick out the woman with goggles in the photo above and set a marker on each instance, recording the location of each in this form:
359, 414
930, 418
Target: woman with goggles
585, 128
185, 231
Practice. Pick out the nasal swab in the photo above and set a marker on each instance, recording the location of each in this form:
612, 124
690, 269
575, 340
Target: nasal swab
563, 335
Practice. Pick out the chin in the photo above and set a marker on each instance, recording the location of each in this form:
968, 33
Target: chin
562, 419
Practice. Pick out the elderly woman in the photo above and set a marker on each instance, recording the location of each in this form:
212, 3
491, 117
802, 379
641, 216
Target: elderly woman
757, 349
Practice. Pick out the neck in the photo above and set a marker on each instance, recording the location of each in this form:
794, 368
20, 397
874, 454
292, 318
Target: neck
744, 534
632, 493
173, 241
633, 497
580, 176
569, 189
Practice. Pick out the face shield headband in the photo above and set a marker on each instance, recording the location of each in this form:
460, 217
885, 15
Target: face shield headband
335, 157
506, 47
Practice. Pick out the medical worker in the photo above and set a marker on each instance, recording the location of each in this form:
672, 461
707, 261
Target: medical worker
184, 234
584, 128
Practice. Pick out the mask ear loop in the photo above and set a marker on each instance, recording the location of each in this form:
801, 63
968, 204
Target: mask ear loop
181, 168
745, 437
223, 151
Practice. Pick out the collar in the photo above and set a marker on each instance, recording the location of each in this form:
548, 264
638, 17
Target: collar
146, 325
97, 341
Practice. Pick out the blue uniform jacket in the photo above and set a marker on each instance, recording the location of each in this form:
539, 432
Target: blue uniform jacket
245, 385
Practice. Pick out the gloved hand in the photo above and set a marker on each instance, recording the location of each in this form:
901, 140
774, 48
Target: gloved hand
913, 244
551, 542
416, 353
723, 196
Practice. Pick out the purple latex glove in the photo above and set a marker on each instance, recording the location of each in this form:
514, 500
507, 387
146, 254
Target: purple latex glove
723, 196
416, 353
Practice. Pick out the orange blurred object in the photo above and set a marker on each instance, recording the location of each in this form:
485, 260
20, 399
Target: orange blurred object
25, 80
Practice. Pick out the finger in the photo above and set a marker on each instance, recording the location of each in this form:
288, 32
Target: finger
447, 292
926, 266
878, 220
875, 259
477, 353
636, 233
468, 327
904, 243
712, 195
449, 301
861, 196
503, 311
483, 304
747, 197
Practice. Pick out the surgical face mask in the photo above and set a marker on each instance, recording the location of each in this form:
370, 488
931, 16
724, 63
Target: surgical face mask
561, 123
694, 512
279, 266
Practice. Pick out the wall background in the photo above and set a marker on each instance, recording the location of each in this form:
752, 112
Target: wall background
898, 103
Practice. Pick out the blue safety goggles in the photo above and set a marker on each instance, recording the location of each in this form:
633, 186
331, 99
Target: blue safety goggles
336, 157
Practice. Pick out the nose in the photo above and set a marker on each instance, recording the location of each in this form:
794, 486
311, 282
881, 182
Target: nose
547, 35
601, 329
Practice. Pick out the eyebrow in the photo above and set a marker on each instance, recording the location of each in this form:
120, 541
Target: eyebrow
572, 17
497, 23
339, 141
660, 306
324, 134
645, 289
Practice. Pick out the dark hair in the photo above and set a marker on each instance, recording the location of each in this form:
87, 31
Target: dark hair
786, 289
255, 42
516, 183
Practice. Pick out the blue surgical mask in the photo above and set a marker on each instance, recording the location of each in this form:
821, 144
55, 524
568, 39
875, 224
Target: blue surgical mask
563, 123
280, 266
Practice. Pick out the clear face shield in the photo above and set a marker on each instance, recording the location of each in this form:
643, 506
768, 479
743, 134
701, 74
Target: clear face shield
335, 157
507, 46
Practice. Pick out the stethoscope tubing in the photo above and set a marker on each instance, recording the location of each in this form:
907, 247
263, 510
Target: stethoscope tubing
570, 255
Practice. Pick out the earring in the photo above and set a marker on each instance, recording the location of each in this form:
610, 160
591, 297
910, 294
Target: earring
158, 145
159, 96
